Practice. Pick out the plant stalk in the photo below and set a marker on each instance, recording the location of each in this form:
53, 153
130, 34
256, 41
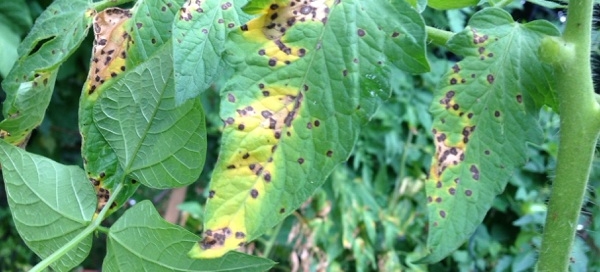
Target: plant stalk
77, 239
579, 130
437, 36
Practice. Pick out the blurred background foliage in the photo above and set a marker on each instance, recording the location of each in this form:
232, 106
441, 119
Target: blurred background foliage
371, 214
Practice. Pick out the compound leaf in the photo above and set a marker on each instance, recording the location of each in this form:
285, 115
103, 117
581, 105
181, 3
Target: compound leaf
308, 75
199, 33
56, 34
156, 142
50, 203
142, 241
484, 115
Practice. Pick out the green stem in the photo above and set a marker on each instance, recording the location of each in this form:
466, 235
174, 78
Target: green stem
271, 242
579, 129
437, 36
82, 235
103, 229
98, 6
396, 193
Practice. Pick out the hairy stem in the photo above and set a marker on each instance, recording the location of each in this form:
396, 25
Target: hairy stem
437, 36
75, 241
579, 129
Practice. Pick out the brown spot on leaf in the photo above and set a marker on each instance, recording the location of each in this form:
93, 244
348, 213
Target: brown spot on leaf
474, 172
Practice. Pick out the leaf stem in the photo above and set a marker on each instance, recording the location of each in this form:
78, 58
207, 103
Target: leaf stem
396, 193
98, 6
272, 239
77, 239
579, 130
102, 229
438, 36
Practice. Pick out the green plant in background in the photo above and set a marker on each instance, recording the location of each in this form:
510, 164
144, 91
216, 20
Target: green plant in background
297, 81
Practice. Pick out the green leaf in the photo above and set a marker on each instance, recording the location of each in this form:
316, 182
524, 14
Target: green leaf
157, 143
56, 34
294, 107
484, 115
548, 4
9, 43
455, 4
199, 33
151, 27
50, 203
142, 241
16, 14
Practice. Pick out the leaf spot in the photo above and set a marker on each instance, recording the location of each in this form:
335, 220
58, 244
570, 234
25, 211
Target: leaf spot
475, 172
226, 6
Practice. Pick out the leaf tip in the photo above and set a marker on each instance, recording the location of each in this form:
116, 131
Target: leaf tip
216, 243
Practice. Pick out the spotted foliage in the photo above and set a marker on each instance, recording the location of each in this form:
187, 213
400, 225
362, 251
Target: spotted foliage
55, 36
109, 55
294, 107
484, 114
200, 31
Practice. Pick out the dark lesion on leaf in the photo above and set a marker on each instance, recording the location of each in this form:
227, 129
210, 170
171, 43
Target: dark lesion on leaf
213, 238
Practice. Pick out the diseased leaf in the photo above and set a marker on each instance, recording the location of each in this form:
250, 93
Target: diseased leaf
50, 203
199, 33
156, 142
153, 20
308, 75
56, 34
109, 60
484, 115
142, 241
